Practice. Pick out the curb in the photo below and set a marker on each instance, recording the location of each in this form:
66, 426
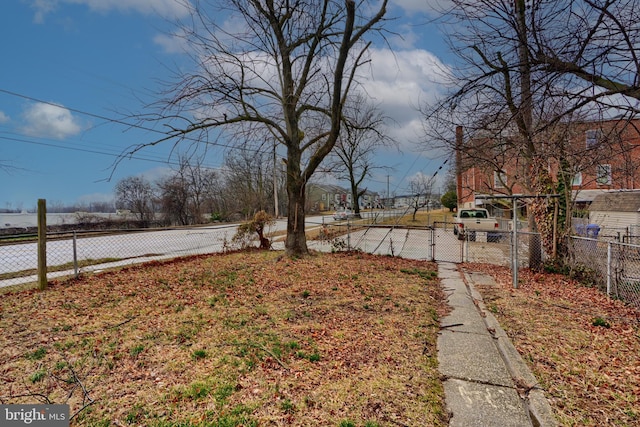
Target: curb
526, 383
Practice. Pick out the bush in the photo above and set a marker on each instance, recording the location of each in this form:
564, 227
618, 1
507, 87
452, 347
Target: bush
246, 230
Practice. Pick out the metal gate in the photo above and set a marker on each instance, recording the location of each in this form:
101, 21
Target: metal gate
446, 246
478, 246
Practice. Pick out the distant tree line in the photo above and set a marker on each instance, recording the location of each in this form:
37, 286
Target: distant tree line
59, 207
194, 194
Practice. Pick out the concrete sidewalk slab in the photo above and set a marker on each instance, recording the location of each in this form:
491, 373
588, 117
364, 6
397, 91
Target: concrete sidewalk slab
484, 405
464, 319
457, 349
480, 365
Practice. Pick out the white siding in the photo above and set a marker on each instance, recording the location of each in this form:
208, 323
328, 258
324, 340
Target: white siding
613, 221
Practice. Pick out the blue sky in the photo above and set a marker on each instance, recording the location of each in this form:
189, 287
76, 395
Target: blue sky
72, 68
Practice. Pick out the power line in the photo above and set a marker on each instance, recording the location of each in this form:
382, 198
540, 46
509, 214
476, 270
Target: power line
127, 124
130, 154
79, 146
86, 150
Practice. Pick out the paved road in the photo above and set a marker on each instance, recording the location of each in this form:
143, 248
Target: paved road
128, 247
419, 244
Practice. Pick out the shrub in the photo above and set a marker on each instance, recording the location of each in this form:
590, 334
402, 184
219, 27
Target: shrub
260, 221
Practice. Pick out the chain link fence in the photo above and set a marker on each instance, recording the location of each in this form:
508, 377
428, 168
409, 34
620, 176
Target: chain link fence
436, 242
612, 265
76, 252
400, 241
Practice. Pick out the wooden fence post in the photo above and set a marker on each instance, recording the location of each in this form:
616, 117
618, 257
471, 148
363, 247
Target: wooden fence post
42, 244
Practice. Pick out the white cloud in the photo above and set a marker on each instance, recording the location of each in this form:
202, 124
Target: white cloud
402, 81
48, 120
172, 43
3, 117
165, 8
431, 7
42, 8
157, 174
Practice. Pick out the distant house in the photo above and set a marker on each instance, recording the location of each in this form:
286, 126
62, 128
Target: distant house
615, 211
410, 200
370, 200
606, 157
325, 197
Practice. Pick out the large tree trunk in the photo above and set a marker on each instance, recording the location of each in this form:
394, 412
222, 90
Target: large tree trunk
296, 244
355, 198
543, 213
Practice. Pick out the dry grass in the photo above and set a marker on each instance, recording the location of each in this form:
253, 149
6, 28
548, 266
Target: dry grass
583, 347
244, 339
424, 218
61, 267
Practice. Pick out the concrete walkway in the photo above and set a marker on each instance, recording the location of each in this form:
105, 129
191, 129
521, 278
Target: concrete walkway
486, 382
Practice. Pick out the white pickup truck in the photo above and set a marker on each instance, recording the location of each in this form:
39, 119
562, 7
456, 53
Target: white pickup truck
472, 220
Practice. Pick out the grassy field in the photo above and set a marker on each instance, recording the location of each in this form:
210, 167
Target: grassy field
257, 339
241, 339
422, 217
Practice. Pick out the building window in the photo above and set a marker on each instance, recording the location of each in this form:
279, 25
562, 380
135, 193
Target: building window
603, 175
592, 137
499, 179
577, 179
324, 197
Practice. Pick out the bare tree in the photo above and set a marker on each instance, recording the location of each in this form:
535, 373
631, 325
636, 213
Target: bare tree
249, 181
199, 179
492, 94
361, 135
280, 70
514, 105
186, 193
421, 187
174, 199
595, 41
136, 194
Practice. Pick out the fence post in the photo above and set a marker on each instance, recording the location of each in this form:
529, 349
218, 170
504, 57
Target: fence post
609, 269
514, 260
42, 244
75, 255
433, 243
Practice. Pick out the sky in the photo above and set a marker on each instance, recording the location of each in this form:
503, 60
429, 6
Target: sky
73, 71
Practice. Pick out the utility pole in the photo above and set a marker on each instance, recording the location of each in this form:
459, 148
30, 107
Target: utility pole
388, 195
275, 182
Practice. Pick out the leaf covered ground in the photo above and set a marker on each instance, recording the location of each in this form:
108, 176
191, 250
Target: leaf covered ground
241, 339
583, 347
